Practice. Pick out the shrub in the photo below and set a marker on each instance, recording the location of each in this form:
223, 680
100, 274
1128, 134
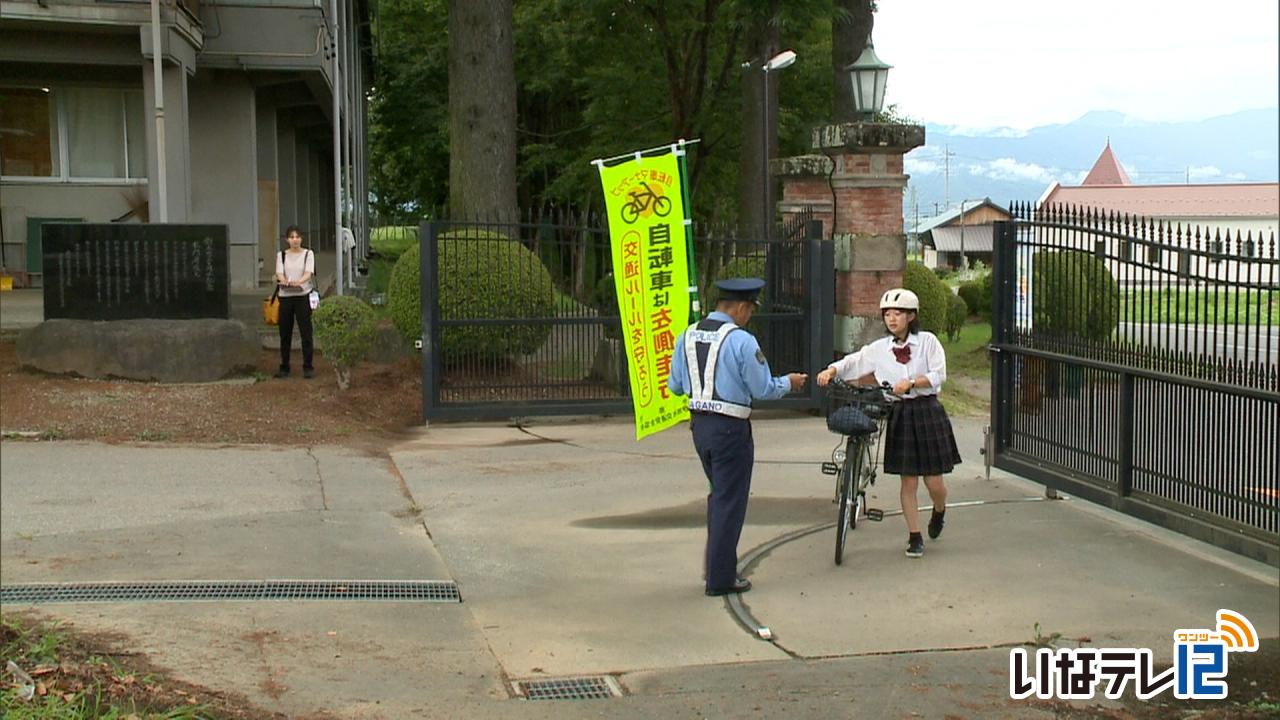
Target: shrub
482, 275
933, 293
345, 327
978, 295
942, 273
605, 299
1073, 293
745, 266
988, 295
971, 293
391, 242
957, 313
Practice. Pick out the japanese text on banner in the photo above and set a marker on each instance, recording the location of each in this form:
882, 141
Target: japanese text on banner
647, 233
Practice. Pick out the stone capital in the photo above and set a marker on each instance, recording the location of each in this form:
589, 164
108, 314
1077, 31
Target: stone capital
867, 137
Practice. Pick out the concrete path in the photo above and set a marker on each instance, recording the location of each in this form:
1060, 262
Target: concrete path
578, 551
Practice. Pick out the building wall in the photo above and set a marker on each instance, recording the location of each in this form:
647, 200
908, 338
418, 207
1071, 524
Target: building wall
92, 203
224, 165
981, 215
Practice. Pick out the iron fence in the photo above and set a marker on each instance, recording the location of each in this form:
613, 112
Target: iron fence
520, 317
1135, 364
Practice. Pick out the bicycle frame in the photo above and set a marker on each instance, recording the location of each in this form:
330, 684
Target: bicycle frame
857, 470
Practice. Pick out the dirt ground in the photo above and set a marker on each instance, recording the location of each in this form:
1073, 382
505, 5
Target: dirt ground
80, 674
383, 401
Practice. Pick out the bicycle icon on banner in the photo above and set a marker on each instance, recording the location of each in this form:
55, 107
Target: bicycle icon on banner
641, 200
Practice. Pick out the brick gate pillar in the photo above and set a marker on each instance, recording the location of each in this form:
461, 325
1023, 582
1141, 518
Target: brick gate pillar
855, 188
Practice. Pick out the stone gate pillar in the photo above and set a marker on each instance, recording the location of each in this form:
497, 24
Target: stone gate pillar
854, 186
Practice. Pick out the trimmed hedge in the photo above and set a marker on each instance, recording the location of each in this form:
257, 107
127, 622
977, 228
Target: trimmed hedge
482, 275
978, 295
392, 241
933, 293
345, 328
746, 266
605, 299
1073, 293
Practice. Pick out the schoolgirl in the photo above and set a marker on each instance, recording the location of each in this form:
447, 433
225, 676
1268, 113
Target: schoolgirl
918, 441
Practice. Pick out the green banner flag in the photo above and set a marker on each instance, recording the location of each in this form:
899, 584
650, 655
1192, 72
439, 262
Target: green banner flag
647, 230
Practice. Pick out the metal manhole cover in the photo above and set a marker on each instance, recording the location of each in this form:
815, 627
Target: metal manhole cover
586, 688
203, 591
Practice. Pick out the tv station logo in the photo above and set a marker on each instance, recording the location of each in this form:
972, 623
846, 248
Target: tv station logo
1199, 669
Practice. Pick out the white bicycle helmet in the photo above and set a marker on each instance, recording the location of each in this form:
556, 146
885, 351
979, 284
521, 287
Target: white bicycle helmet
899, 299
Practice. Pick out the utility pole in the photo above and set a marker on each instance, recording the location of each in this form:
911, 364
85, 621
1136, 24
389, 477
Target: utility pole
915, 223
946, 188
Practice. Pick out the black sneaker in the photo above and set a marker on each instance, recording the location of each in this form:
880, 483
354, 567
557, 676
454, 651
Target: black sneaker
936, 522
308, 373
915, 546
282, 373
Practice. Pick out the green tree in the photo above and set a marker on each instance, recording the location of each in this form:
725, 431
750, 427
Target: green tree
408, 110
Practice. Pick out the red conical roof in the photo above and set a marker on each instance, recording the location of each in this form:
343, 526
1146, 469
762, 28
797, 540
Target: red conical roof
1107, 170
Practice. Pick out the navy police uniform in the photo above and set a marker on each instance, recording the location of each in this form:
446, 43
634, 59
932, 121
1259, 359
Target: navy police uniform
728, 372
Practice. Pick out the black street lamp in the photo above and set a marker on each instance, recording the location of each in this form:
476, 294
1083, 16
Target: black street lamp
869, 75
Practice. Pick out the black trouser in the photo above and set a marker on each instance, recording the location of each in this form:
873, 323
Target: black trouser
290, 307
727, 451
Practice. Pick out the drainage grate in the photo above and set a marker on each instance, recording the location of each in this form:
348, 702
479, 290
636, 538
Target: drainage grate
588, 688
368, 590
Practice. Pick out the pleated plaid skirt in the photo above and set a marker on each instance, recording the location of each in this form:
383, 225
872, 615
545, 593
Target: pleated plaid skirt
918, 439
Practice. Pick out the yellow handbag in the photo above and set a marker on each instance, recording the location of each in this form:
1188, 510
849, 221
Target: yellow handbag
271, 308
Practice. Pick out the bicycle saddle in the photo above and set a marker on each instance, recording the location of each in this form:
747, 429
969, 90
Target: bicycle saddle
849, 420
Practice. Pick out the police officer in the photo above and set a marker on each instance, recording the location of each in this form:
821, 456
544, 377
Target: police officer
720, 367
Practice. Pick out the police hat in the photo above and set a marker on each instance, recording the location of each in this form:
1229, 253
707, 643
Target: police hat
747, 289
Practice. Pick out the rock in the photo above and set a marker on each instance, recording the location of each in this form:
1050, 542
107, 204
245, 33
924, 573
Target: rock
165, 350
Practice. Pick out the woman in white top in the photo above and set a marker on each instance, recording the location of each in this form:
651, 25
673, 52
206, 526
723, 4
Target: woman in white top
918, 437
295, 268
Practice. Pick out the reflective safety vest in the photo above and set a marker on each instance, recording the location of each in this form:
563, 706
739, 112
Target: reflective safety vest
702, 375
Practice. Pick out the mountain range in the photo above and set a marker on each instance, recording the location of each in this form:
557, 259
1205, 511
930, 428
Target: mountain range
1008, 165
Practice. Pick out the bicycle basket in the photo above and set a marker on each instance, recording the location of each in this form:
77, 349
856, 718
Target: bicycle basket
850, 420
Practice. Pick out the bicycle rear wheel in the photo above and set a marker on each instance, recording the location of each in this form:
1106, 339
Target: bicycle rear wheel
848, 498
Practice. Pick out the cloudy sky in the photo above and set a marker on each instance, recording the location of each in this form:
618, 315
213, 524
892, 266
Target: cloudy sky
1022, 64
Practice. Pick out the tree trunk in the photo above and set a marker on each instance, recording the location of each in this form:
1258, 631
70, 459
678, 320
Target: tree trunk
850, 28
482, 109
759, 142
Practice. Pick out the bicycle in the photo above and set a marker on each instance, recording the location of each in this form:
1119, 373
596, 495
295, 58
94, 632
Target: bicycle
858, 415
639, 202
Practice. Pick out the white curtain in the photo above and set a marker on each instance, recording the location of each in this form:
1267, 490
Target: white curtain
137, 133
95, 132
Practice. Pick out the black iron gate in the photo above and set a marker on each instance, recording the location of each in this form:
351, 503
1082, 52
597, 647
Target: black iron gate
520, 319
1135, 365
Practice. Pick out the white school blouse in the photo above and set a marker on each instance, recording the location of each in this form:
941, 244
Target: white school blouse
877, 358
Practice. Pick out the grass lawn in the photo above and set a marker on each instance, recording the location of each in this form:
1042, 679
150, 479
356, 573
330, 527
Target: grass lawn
968, 354
1214, 307
968, 371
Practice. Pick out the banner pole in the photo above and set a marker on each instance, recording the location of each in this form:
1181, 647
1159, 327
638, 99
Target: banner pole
695, 304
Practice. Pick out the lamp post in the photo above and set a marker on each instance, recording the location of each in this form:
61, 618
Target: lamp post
869, 75
782, 60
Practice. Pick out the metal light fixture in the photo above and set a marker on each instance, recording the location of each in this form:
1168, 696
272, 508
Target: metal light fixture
869, 75
782, 60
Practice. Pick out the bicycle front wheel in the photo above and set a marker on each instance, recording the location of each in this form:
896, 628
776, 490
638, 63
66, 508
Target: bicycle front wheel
848, 497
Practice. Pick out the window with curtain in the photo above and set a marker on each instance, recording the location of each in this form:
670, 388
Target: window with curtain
28, 133
103, 130
96, 142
